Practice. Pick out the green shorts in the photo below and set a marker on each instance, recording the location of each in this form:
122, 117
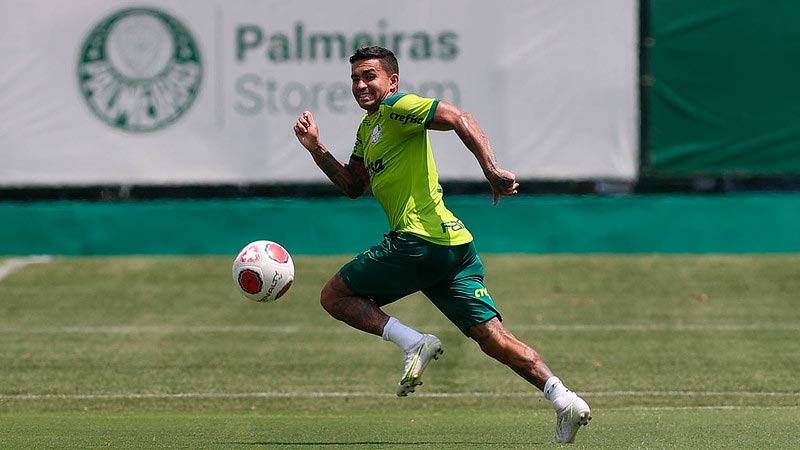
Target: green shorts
451, 277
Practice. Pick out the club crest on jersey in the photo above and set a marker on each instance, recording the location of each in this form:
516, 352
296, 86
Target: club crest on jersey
376, 134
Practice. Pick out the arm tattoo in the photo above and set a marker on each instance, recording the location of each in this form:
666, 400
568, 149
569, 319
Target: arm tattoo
343, 176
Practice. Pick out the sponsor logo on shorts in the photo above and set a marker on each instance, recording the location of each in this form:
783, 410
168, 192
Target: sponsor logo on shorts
482, 292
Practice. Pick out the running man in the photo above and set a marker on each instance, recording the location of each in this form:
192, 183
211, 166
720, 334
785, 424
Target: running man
428, 249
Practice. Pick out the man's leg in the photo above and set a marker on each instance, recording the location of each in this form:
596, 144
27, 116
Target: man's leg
364, 314
496, 341
358, 312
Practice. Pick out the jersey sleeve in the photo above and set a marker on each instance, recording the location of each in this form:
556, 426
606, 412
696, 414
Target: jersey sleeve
412, 111
358, 147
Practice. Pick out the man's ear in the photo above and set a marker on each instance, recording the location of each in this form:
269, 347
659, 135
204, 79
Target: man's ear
394, 79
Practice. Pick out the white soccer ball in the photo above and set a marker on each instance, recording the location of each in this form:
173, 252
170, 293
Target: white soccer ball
263, 271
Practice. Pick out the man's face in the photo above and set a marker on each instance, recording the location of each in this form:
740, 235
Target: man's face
371, 84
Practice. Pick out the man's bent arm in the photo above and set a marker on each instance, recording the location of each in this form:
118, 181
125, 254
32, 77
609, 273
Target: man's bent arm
351, 178
448, 117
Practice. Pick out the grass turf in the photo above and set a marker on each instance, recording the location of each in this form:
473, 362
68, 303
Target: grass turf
140, 352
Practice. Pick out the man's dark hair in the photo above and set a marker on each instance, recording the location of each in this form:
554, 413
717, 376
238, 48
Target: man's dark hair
386, 57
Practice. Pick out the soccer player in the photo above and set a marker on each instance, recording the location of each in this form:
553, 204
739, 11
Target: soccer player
428, 249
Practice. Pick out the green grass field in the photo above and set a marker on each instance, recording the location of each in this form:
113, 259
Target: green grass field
161, 352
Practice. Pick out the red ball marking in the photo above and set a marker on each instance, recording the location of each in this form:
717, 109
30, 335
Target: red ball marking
277, 253
250, 255
283, 291
250, 281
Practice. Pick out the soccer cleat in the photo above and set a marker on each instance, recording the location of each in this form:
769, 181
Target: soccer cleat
570, 419
430, 347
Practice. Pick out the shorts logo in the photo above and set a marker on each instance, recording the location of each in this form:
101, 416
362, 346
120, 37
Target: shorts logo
482, 292
139, 69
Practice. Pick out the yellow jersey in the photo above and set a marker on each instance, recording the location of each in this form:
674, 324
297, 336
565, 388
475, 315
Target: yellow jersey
395, 147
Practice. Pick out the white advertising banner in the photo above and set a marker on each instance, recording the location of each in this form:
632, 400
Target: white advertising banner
206, 91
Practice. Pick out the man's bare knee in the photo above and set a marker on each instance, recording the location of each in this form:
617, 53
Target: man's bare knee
333, 292
492, 337
358, 312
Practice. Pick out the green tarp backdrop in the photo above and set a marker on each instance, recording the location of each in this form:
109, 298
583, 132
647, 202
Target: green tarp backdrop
724, 94
734, 223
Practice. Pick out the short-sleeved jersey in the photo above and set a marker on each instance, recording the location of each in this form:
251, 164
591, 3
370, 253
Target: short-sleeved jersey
394, 145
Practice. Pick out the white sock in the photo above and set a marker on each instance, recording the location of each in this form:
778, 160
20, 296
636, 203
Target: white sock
400, 334
557, 393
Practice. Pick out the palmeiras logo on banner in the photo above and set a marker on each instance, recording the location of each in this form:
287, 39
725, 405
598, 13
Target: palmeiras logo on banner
139, 69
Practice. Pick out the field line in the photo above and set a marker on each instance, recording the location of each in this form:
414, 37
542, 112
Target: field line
288, 329
312, 395
707, 407
11, 265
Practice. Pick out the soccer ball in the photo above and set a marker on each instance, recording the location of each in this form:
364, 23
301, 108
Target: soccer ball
263, 271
